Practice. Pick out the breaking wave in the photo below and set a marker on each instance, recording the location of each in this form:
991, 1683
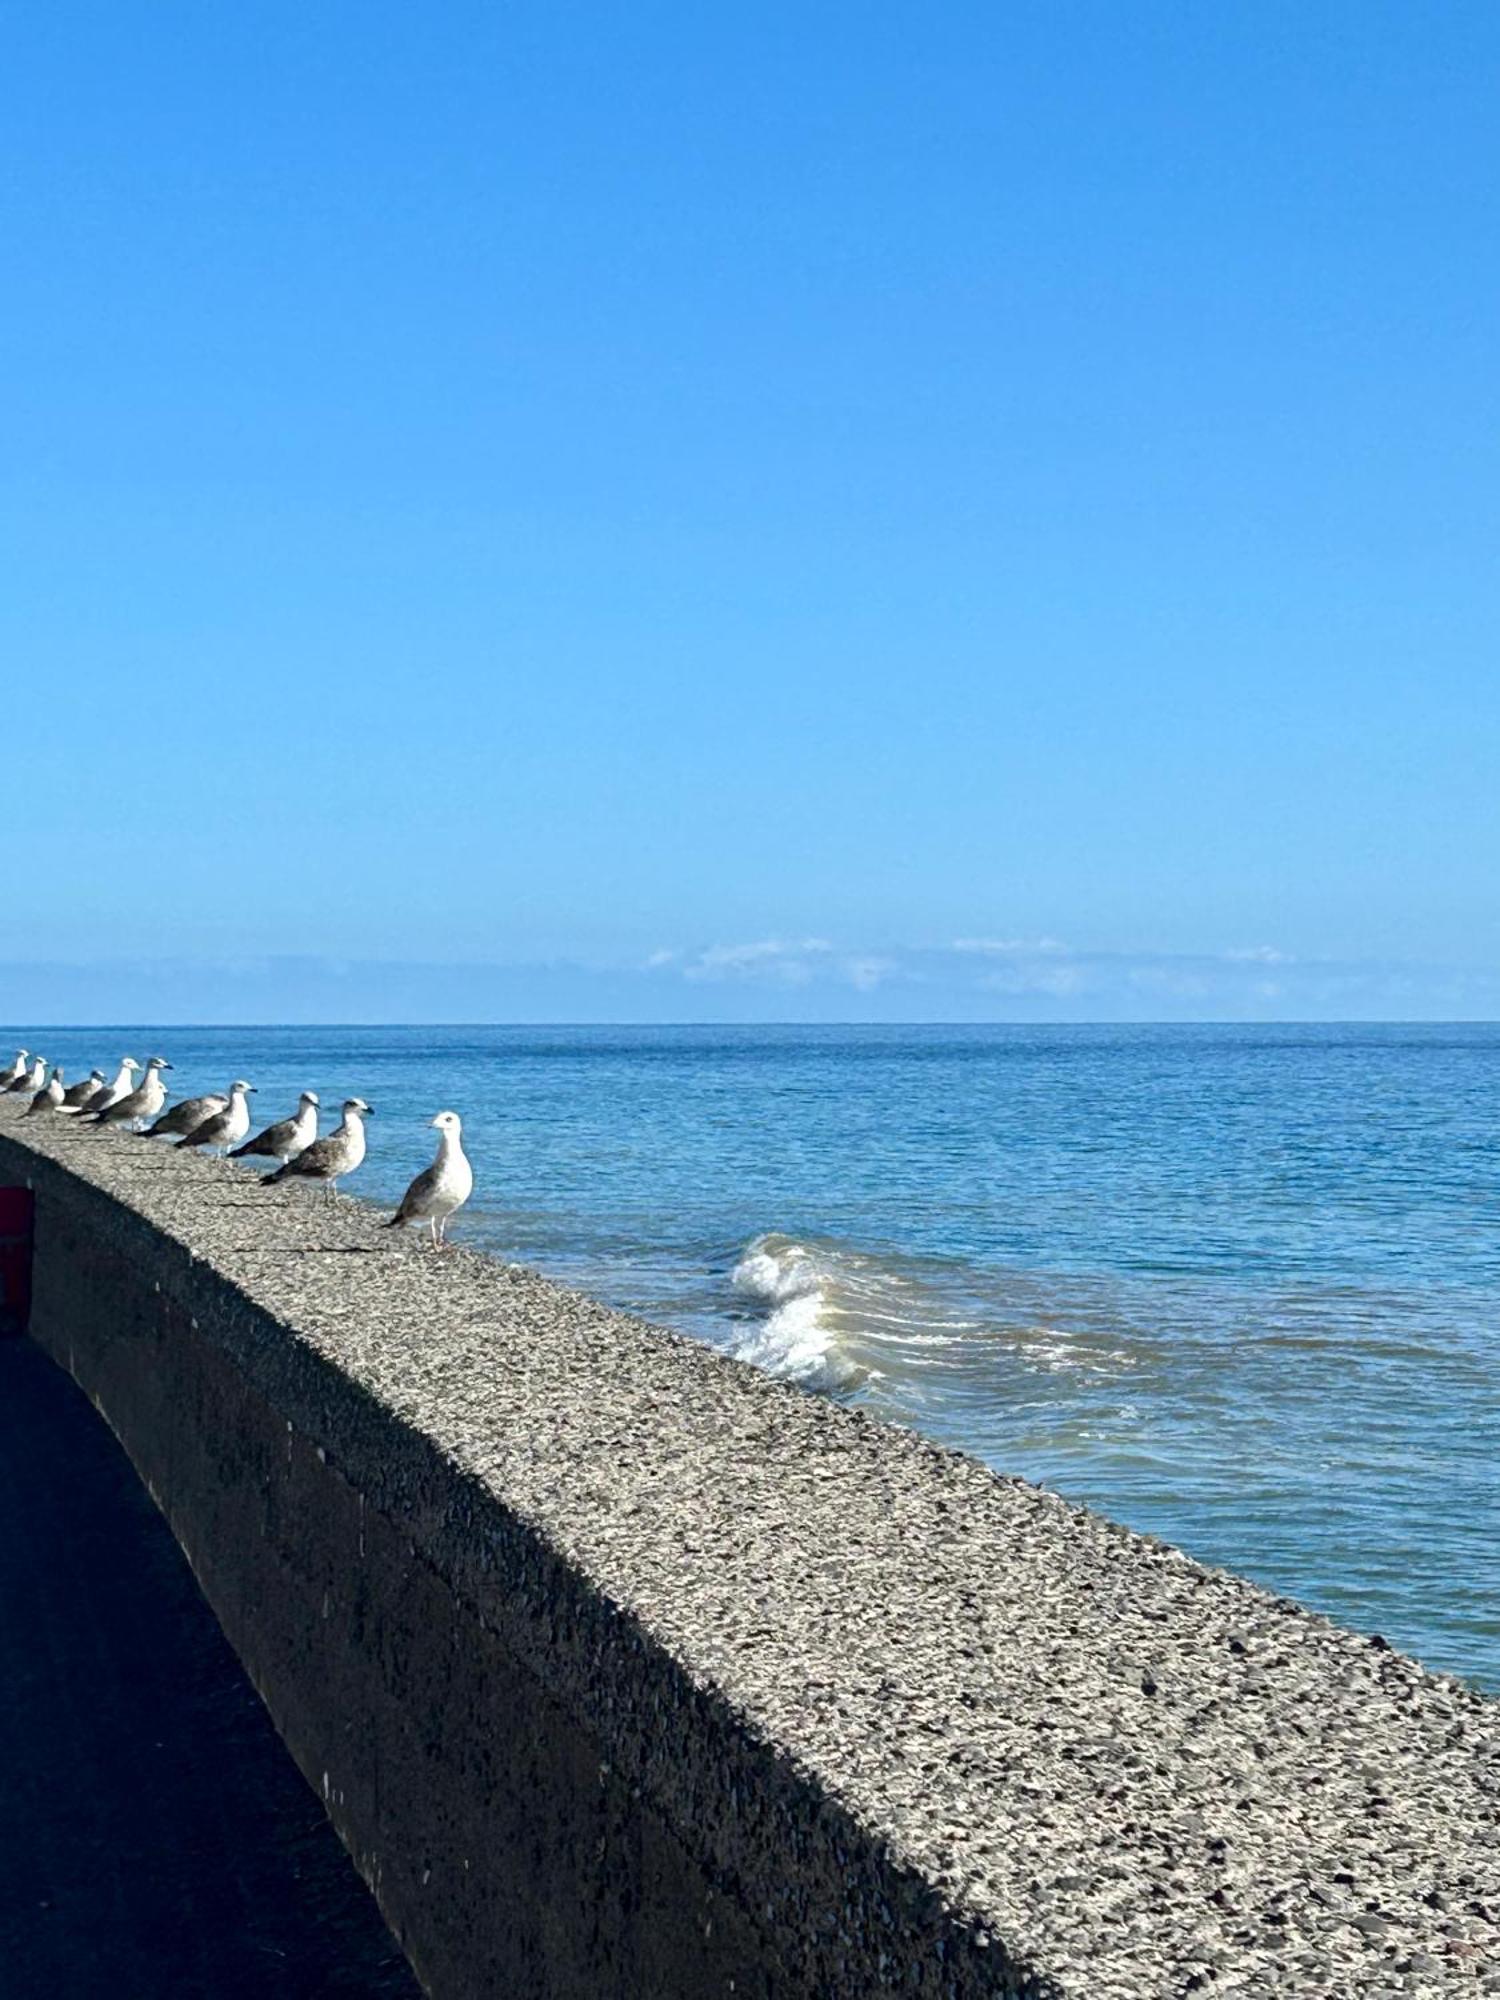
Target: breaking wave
790, 1330
835, 1318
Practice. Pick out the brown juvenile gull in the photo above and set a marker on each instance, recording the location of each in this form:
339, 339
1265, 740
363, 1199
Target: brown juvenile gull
17, 1070
49, 1096
328, 1160
441, 1189
145, 1101
77, 1096
287, 1138
227, 1127
31, 1078
187, 1116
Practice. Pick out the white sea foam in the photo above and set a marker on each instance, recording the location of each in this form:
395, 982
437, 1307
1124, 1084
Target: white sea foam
793, 1336
832, 1317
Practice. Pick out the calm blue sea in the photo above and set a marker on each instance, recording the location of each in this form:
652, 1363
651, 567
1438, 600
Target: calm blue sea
1236, 1286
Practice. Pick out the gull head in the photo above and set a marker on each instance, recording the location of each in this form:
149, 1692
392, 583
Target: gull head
449, 1121
239, 1088
357, 1104
309, 1097
158, 1062
96, 1076
130, 1063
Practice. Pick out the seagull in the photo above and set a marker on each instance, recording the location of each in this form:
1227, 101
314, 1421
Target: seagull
113, 1092
443, 1187
145, 1101
48, 1097
328, 1160
187, 1116
17, 1069
78, 1096
287, 1138
30, 1079
224, 1128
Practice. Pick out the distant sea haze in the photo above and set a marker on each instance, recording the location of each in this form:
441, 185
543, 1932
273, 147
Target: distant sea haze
777, 979
1236, 1286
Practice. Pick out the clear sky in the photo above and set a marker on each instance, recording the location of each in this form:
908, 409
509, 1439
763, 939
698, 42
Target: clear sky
851, 510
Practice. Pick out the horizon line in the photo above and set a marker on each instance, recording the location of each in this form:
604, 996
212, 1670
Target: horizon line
1221, 1021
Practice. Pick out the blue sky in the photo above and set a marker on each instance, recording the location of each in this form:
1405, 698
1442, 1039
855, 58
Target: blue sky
692, 512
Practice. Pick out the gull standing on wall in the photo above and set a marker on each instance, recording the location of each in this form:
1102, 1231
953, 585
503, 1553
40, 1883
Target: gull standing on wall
441, 1189
187, 1116
17, 1069
49, 1096
145, 1101
328, 1160
227, 1127
287, 1138
116, 1092
32, 1079
78, 1096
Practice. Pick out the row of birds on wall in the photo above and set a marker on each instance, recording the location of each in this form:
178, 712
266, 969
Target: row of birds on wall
219, 1122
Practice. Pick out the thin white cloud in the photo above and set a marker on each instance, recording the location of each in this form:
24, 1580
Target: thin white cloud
1009, 947
866, 973
779, 958
1059, 982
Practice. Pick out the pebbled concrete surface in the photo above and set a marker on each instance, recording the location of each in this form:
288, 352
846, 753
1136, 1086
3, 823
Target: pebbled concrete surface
156, 1840
909, 1727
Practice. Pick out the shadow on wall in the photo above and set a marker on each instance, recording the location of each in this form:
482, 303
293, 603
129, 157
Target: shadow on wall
159, 1841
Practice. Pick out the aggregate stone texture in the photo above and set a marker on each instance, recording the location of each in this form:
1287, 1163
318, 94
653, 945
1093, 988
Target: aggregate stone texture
920, 1729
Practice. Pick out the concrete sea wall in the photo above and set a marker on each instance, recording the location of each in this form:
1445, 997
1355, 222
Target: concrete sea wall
625, 1671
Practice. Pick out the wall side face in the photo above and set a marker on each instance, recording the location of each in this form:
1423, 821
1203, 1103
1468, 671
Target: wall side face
505, 1853
626, 1671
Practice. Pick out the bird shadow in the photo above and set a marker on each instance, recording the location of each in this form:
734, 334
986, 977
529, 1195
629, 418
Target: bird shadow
234, 1204
317, 1250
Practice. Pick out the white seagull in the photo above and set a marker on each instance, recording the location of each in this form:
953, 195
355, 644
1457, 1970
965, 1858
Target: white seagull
441, 1189
328, 1160
78, 1096
187, 1116
49, 1096
287, 1138
145, 1101
30, 1080
112, 1093
17, 1069
225, 1128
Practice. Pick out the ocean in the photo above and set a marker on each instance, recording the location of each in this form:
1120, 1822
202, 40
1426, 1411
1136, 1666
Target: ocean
1235, 1286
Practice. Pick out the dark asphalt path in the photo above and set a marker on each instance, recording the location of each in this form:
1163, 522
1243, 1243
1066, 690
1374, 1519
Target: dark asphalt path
156, 1840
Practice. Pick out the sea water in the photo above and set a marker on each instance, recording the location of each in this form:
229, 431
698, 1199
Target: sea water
1239, 1287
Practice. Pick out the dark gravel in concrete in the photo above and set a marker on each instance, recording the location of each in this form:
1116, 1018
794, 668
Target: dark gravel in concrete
1135, 1775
